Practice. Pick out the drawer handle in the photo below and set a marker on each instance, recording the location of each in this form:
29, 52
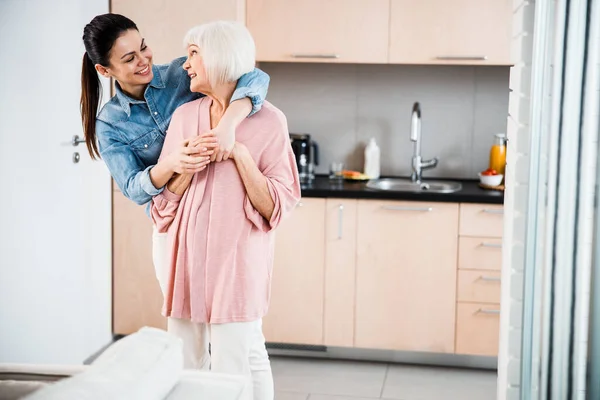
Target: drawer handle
493, 245
340, 220
462, 58
322, 56
493, 211
485, 311
489, 278
403, 208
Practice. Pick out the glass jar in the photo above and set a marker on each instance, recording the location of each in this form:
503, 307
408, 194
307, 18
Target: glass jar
498, 153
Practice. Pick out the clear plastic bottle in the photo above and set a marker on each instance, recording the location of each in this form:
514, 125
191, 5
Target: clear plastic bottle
372, 160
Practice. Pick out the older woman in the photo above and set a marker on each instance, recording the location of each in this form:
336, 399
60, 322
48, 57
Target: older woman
220, 221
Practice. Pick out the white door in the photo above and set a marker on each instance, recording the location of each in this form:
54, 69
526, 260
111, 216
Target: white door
55, 215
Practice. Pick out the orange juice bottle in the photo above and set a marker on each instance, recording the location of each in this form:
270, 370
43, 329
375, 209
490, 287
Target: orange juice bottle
498, 153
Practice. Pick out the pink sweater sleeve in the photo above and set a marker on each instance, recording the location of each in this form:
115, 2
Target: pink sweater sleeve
164, 209
165, 205
279, 167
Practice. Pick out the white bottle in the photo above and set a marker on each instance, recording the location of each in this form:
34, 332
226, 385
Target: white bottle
372, 160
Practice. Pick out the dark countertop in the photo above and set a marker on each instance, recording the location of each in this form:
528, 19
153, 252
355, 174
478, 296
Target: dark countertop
470, 192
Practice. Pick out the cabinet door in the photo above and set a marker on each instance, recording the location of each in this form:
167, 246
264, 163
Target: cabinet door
164, 23
347, 31
450, 32
137, 300
406, 275
340, 272
296, 310
477, 329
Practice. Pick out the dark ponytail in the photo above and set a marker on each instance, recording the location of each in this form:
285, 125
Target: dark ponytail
91, 94
99, 37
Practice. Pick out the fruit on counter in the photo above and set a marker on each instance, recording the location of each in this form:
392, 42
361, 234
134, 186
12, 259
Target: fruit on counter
489, 172
349, 174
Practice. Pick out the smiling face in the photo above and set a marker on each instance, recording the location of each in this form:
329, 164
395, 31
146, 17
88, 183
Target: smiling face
194, 65
130, 62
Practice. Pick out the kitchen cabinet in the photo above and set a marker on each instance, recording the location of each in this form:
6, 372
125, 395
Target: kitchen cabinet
481, 253
481, 220
165, 23
477, 329
137, 299
479, 284
476, 32
373, 274
340, 271
406, 275
340, 31
296, 308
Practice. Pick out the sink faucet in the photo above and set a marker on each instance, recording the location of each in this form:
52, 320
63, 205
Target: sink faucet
415, 136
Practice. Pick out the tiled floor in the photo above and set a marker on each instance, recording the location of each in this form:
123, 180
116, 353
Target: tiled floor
308, 379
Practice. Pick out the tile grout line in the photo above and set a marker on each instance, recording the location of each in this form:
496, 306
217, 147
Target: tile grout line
387, 369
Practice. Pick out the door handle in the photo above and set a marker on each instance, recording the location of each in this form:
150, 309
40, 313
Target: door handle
322, 56
487, 311
462, 58
494, 245
403, 208
76, 140
340, 220
489, 278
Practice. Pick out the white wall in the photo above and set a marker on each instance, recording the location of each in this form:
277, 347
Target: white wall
516, 208
516, 202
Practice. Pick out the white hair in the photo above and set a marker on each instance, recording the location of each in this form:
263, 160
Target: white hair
227, 49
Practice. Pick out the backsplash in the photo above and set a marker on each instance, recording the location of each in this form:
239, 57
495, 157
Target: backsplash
342, 106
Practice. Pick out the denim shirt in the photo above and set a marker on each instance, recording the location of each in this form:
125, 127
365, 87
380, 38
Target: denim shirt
131, 132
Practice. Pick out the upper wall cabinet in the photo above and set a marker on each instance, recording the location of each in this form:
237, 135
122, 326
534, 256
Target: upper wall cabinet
475, 32
164, 23
344, 31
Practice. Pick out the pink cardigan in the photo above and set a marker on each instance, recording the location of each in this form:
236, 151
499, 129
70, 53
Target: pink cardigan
221, 248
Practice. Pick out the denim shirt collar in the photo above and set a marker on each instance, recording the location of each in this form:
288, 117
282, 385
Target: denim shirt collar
126, 101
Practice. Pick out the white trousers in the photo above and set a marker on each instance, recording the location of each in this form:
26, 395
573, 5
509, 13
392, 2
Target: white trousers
235, 348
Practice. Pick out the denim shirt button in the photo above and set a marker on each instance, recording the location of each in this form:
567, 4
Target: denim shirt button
145, 146
155, 113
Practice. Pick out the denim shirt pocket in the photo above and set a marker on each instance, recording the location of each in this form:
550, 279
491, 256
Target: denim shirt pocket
147, 146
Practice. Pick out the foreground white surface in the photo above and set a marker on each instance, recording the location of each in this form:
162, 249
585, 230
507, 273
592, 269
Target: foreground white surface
147, 365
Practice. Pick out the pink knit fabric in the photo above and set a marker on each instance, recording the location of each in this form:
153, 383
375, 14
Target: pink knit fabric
221, 248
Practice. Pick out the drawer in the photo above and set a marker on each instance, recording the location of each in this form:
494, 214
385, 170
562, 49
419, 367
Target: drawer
477, 329
479, 253
479, 286
483, 220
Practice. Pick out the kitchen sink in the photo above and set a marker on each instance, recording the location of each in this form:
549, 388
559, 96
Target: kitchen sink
406, 185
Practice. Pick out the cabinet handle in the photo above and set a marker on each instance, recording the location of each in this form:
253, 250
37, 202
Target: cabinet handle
484, 311
462, 58
494, 245
340, 220
403, 208
489, 278
493, 211
323, 56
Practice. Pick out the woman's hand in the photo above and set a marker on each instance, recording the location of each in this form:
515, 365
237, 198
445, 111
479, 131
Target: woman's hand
225, 135
193, 155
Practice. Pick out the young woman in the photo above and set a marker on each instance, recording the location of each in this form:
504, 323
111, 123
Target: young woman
129, 131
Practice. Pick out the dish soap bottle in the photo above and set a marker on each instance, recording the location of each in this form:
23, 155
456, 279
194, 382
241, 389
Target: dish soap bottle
498, 153
372, 160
